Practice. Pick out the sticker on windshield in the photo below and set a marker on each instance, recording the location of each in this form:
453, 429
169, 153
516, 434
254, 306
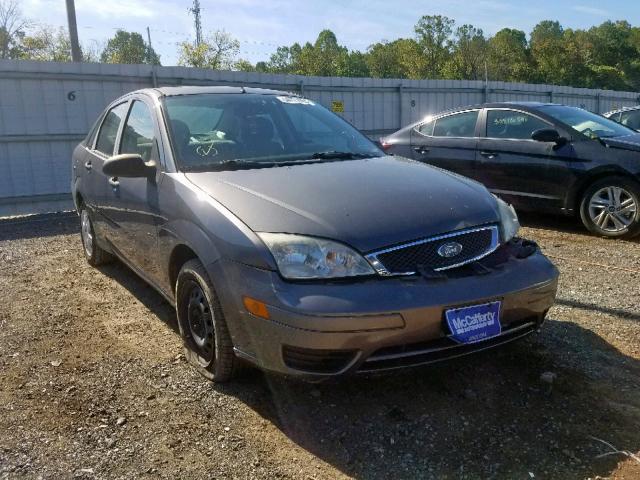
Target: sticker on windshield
296, 100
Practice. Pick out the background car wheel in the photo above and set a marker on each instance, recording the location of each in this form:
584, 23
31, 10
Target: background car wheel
94, 254
207, 343
611, 207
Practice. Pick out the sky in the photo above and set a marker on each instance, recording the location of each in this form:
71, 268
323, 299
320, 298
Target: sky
263, 25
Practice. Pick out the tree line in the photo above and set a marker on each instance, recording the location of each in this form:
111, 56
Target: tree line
603, 56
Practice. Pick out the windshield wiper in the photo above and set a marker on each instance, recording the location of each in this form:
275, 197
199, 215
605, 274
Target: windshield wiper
229, 165
332, 154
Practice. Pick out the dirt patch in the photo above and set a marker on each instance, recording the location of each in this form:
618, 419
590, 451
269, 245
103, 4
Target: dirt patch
93, 384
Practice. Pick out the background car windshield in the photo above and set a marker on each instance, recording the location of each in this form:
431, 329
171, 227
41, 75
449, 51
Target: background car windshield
209, 129
587, 123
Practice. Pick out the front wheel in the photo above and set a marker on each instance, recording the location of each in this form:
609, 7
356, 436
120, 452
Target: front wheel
207, 343
611, 208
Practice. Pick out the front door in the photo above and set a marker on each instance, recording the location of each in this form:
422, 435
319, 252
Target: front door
528, 173
134, 201
448, 142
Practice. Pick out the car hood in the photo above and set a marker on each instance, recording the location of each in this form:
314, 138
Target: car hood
368, 203
628, 142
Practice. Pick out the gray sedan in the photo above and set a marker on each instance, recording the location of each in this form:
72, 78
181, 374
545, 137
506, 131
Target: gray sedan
288, 240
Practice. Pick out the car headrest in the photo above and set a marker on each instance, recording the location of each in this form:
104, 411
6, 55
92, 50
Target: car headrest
181, 133
260, 127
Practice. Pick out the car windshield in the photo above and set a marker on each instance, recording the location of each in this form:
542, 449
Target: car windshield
224, 131
585, 122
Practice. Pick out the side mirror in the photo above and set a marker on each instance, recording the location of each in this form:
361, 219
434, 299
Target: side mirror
127, 165
548, 135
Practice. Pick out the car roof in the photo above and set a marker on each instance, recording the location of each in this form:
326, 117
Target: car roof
518, 104
194, 90
623, 109
524, 105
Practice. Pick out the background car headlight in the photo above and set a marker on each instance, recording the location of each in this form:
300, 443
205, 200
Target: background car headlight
300, 257
509, 224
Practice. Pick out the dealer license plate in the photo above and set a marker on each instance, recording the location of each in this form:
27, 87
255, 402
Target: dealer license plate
474, 323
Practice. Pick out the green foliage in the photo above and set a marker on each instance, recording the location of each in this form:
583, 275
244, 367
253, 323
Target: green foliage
604, 56
433, 34
218, 52
508, 56
468, 54
12, 28
401, 58
128, 47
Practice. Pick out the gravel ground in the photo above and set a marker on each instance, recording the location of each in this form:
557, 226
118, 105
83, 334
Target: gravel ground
93, 384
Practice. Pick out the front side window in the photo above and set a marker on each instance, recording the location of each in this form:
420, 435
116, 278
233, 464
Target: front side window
456, 125
512, 124
137, 135
109, 129
214, 131
589, 124
631, 119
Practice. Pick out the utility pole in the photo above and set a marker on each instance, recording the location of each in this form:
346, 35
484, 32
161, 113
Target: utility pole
196, 17
76, 54
154, 77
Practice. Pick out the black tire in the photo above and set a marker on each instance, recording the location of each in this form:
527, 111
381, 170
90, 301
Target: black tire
207, 343
605, 224
93, 252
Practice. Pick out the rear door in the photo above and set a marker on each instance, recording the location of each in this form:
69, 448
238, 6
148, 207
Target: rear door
96, 186
528, 173
133, 202
448, 142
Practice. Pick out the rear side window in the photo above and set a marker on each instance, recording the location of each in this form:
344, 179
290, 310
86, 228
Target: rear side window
512, 124
426, 128
109, 129
456, 125
137, 136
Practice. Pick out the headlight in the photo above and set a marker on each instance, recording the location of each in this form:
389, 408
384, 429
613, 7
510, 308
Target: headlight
300, 257
509, 224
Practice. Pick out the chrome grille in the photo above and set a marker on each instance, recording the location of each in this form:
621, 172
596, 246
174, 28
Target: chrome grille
407, 259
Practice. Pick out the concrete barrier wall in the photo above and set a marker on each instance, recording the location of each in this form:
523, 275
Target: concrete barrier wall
46, 108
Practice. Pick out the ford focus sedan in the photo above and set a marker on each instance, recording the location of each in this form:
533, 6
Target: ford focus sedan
286, 239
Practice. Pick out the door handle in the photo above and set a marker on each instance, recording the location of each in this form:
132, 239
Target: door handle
88, 165
421, 150
113, 181
489, 155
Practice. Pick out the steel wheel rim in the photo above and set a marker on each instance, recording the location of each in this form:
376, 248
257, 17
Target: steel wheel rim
200, 320
87, 233
612, 209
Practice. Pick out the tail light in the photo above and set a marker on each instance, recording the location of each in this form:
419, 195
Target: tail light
384, 144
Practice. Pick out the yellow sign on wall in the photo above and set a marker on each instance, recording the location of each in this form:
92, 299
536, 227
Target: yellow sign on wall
337, 106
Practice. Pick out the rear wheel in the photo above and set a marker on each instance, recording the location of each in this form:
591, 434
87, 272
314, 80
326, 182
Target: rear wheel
611, 208
207, 343
94, 254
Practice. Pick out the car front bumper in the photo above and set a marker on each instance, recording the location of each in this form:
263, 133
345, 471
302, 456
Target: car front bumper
319, 330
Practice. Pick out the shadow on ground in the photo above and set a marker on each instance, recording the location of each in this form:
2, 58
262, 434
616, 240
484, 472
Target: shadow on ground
39, 226
144, 292
485, 416
560, 223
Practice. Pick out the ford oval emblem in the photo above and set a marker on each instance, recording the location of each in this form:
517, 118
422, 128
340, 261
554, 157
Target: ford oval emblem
449, 249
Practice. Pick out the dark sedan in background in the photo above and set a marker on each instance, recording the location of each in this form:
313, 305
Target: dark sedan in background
286, 238
538, 156
628, 116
